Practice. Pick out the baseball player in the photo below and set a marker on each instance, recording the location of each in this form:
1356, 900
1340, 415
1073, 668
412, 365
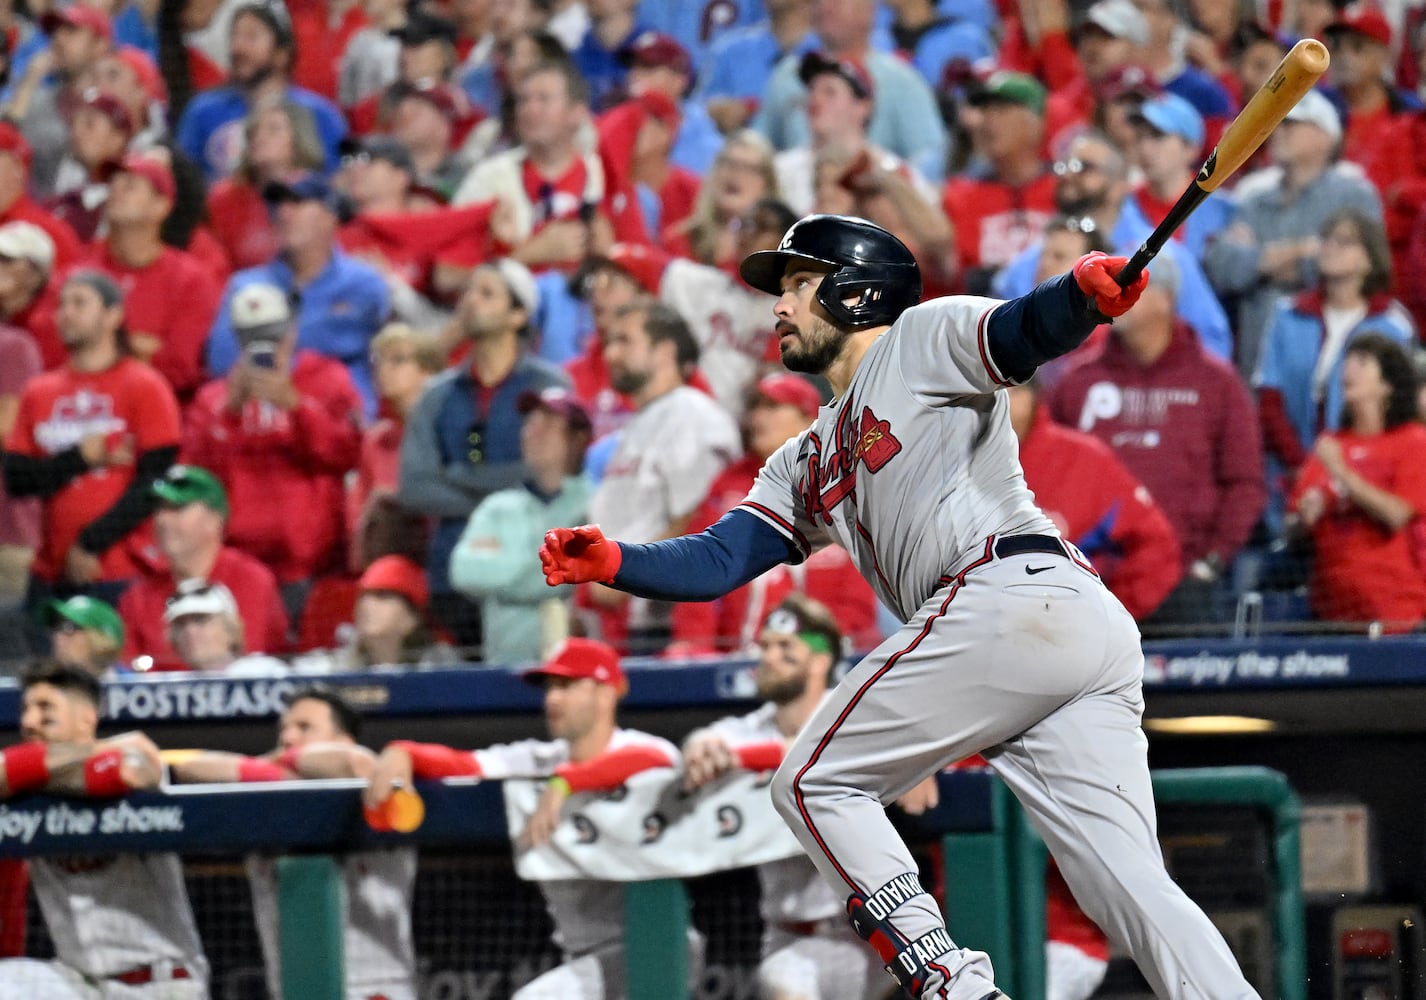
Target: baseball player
808, 951
587, 752
1011, 645
316, 738
121, 924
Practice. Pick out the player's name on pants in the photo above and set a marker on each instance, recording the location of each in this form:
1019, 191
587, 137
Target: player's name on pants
882, 903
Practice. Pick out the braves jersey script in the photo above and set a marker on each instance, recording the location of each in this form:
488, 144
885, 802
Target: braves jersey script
378, 955
731, 321
110, 914
874, 474
586, 913
791, 890
663, 464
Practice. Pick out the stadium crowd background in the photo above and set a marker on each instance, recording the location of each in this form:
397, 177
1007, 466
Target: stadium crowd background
316, 316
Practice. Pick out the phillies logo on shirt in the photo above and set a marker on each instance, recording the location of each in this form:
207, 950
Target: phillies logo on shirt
74, 418
862, 440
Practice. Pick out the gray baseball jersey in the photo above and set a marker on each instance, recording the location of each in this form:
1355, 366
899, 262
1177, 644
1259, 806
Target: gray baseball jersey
1012, 647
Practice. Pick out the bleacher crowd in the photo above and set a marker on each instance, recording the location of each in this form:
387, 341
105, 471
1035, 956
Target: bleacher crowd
317, 315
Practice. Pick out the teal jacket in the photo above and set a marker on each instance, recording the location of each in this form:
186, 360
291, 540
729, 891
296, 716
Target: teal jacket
497, 562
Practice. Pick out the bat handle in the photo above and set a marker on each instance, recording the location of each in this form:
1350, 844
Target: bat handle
1136, 265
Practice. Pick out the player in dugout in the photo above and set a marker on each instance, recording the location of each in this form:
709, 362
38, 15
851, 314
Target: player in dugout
121, 924
317, 738
809, 952
587, 752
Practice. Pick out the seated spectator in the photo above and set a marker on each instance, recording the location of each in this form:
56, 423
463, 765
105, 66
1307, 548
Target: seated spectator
170, 298
28, 298
341, 302
431, 120
1168, 150
666, 457
780, 407
156, 939
1299, 378
1270, 246
743, 173
462, 439
403, 360
605, 286
1097, 504
188, 526
368, 63
1363, 85
838, 171
613, 27
317, 738
86, 634
526, 49
932, 37
739, 63
423, 54
19, 516
389, 626
659, 64
209, 636
998, 207
1166, 56
1182, 422
260, 60
906, 120
285, 422
16, 205
1117, 100
99, 133
582, 683
1361, 493
496, 561
280, 141
649, 191
1105, 40
89, 439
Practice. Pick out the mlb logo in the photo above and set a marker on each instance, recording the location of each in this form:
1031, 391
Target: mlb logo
1156, 669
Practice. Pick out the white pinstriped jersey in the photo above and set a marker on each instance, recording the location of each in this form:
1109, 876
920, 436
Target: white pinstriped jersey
731, 321
874, 474
378, 953
792, 890
587, 914
109, 914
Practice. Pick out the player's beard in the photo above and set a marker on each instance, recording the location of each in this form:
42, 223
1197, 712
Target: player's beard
816, 347
780, 690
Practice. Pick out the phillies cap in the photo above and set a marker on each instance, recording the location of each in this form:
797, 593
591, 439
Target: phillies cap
558, 401
790, 390
815, 63
87, 613
260, 311
150, 168
27, 241
1313, 109
12, 140
78, 15
109, 106
578, 659
200, 597
182, 485
1009, 88
1172, 115
446, 99
1130, 81
397, 575
654, 49
145, 72
1119, 19
1362, 19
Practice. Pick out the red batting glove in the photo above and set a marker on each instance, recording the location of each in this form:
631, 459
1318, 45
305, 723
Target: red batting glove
1094, 273
579, 555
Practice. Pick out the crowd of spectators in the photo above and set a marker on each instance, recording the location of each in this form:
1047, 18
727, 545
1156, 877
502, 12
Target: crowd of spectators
314, 316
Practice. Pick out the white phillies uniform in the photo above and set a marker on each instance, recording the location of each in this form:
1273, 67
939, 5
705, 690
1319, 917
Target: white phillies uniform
588, 915
1024, 657
731, 322
109, 916
378, 954
809, 950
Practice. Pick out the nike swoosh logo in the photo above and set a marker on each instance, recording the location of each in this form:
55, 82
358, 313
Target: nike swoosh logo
1032, 570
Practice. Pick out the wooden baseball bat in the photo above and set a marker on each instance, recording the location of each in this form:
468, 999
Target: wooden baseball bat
1299, 70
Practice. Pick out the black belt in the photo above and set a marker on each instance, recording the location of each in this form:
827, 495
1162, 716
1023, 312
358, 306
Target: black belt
1018, 545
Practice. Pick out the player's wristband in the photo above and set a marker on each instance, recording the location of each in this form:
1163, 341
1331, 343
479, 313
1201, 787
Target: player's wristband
257, 769
561, 783
25, 767
102, 777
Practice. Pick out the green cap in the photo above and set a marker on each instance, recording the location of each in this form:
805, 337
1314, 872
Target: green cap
87, 613
1011, 88
185, 484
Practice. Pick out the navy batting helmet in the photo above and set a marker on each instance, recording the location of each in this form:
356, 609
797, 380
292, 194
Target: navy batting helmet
872, 278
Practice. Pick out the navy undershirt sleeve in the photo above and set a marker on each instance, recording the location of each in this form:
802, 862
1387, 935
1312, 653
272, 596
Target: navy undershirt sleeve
1050, 321
705, 566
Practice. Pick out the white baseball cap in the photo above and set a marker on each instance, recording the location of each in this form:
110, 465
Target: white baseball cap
200, 597
1313, 109
27, 241
260, 311
1121, 19
521, 282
